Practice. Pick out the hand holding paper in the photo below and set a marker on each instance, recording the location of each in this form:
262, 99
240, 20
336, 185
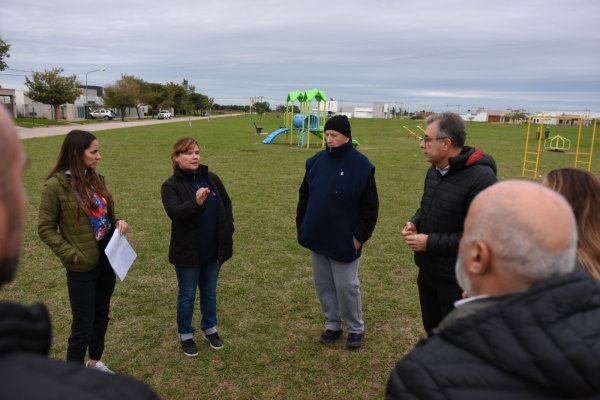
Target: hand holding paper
120, 254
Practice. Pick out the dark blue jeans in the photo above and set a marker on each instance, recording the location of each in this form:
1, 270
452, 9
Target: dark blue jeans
204, 278
89, 295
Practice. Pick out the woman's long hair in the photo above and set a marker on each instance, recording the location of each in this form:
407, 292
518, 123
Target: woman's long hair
84, 181
582, 190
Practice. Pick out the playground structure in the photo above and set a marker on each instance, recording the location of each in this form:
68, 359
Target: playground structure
310, 119
557, 143
583, 158
411, 134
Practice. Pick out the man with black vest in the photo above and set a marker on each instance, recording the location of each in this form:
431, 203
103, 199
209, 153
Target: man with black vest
337, 212
457, 174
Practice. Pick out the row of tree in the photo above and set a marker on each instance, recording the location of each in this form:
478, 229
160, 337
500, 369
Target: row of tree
131, 91
50, 87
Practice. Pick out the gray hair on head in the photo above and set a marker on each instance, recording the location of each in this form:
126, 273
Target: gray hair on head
519, 243
452, 126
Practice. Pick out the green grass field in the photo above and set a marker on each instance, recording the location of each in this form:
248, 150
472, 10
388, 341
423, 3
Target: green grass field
269, 316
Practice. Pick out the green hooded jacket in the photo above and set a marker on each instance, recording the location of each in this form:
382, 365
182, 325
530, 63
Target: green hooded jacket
59, 229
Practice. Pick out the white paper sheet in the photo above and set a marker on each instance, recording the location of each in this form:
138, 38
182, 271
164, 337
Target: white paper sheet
120, 254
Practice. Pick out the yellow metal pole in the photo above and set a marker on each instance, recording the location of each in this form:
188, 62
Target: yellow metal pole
293, 110
578, 141
411, 133
287, 119
592, 146
307, 120
321, 122
526, 146
539, 147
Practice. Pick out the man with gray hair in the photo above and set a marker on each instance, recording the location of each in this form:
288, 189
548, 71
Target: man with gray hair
457, 174
529, 328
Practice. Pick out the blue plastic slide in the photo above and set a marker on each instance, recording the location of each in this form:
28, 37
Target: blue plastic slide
271, 138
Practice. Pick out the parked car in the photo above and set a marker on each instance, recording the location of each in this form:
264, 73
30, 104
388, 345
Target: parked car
164, 114
102, 114
204, 114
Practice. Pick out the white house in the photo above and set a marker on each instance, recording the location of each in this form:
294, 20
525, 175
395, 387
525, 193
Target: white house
378, 110
554, 117
486, 115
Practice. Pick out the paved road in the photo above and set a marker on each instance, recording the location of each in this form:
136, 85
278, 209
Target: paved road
28, 133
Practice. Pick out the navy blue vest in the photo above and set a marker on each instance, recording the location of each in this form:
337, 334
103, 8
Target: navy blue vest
336, 179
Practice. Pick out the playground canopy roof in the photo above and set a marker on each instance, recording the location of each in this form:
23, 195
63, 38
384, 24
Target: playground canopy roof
307, 95
293, 96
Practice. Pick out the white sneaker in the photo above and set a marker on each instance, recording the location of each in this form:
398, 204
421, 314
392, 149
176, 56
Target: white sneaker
100, 366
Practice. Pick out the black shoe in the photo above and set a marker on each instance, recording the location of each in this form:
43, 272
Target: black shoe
354, 340
330, 336
214, 340
189, 348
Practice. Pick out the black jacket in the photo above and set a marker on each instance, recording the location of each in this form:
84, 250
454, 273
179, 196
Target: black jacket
179, 201
543, 343
444, 205
27, 373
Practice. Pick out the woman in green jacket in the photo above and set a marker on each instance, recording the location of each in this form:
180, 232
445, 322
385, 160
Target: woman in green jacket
77, 220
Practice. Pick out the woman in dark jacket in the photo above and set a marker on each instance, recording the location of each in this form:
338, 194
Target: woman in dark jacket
201, 239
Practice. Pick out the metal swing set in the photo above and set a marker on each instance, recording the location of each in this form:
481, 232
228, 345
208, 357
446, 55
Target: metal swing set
531, 157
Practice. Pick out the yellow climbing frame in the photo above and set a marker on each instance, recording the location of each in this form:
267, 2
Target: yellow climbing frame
409, 133
531, 157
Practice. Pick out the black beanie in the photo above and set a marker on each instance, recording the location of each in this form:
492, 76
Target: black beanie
339, 123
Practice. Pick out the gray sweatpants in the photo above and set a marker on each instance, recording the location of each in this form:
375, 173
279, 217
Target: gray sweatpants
339, 292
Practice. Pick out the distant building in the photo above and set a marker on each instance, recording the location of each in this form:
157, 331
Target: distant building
487, 115
378, 110
19, 105
381, 110
331, 106
25, 107
7, 98
557, 120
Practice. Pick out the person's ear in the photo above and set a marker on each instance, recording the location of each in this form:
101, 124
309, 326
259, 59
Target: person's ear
447, 143
478, 258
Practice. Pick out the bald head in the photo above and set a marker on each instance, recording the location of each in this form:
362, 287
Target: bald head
531, 208
12, 196
524, 231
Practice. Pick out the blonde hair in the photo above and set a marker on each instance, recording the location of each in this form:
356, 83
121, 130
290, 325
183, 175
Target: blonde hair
582, 190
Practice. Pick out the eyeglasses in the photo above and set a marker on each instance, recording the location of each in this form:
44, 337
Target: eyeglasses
428, 139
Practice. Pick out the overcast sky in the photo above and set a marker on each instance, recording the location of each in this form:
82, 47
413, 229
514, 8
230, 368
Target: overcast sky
539, 55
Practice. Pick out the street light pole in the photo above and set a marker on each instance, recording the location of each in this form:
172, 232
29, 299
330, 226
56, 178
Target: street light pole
86, 89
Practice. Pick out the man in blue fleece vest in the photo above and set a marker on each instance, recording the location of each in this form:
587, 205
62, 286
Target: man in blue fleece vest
337, 212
